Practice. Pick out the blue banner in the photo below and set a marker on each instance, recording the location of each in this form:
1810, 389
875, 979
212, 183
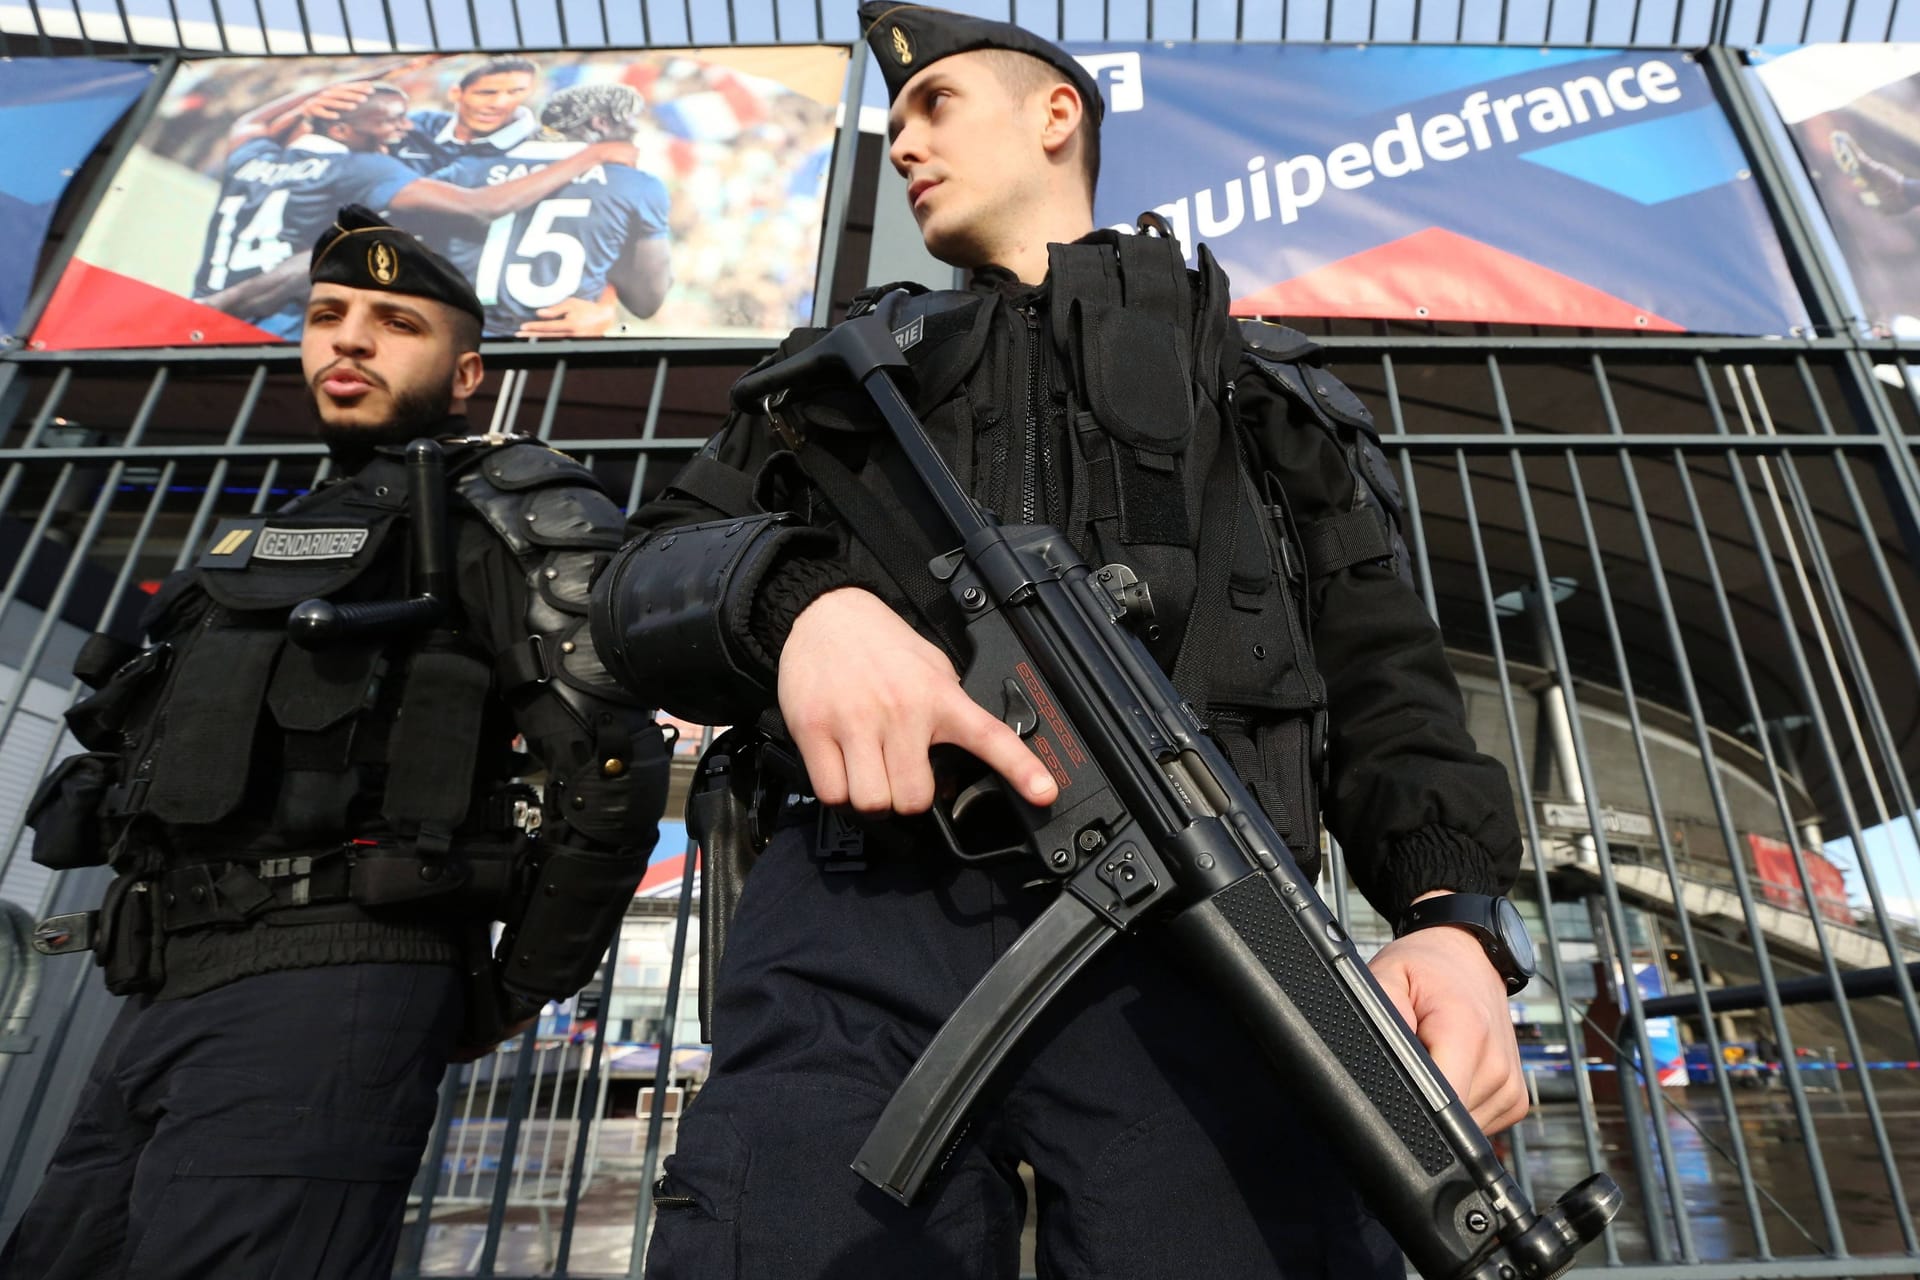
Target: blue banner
53, 113
1528, 186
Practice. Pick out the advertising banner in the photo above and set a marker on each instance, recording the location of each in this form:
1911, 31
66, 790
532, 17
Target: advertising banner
1579, 187
1853, 111
1663, 1034
1780, 882
53, 113
586, 194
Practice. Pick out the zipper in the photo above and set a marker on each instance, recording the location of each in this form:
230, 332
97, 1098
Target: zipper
1030, 467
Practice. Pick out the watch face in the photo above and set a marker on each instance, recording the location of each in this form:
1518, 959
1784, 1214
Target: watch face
1513, 932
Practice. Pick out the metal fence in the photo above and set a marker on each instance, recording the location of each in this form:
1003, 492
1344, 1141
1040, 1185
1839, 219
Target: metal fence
1676, 575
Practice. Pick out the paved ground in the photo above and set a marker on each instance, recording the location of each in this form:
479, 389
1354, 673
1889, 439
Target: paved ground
1717, 1220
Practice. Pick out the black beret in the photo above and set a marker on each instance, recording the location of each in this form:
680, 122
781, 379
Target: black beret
907, 38
363, 251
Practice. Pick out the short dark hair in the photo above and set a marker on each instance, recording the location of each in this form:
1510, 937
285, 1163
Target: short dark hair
381, 89
498, 67
1024, 75
572, 109
464, 327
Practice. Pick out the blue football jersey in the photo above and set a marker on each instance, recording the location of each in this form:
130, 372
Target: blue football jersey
276, 200
563, 246
430, 145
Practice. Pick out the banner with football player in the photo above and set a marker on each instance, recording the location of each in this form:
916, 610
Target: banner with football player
1853, 111
53, 113
1586, 187
615, 193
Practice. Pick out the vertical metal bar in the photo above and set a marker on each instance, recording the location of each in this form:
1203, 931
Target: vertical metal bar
1337, 877
1846, 24
649, 431
41, 421
517, 1104
18, 823
584, 1121
552, 406
217, 481
1616, 912
1762, 952
1862, 675
1810, 695
1576, 1058
80, 22
1616, 639
846, 147
76, 561
1409, 491
663, 1067
436, 1160
393, 37
433, 25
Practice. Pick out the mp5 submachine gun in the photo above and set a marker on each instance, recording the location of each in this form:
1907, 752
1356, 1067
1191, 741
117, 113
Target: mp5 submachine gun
1153, 827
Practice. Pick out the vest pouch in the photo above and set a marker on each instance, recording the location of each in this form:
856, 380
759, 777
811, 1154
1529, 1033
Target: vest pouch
201, 772
384, 877
1275, 756
99, 719
572, 906
128, 948
65, 812
316, 697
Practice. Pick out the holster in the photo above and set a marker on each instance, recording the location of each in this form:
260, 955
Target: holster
128, 944
66, 812
736, 786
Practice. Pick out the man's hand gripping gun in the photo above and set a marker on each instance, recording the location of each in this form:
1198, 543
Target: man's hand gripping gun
1153, 825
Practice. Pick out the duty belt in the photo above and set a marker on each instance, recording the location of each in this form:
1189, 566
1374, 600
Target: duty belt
228, 893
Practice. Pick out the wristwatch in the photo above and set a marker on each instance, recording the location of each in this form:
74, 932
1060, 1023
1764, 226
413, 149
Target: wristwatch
1495, 921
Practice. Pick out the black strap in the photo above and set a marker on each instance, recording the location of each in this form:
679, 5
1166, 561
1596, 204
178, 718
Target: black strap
436, 741
1213, 558
901, 549
1353, 537
718, 485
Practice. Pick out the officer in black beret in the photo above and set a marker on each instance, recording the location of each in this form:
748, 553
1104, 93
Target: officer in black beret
308, 784
1090, 380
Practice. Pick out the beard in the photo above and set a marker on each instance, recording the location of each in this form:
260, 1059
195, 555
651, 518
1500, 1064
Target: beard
417, 411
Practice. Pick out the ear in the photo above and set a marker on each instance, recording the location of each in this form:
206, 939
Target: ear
1063, 115
468, 372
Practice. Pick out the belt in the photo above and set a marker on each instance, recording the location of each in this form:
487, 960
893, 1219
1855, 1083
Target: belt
211, 893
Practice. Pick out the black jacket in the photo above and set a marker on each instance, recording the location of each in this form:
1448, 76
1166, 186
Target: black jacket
1414, 804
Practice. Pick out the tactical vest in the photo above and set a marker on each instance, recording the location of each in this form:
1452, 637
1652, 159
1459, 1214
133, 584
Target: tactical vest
234, 743
1140, 364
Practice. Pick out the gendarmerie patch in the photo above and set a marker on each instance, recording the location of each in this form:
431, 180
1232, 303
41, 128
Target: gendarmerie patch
309, 544
237, 543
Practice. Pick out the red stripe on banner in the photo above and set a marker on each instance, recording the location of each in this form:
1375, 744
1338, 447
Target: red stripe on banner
663, 873
1438, 275
93, 308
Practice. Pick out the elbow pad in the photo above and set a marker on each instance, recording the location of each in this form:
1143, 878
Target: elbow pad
672, 614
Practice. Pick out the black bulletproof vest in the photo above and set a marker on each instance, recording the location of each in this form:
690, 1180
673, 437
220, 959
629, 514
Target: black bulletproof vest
266, 746
1142, 359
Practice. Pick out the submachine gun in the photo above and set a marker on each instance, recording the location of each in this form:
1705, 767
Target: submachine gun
1152, 827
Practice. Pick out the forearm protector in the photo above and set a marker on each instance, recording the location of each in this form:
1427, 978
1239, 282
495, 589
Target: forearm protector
672, 614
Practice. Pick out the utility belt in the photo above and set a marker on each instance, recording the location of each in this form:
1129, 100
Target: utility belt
144, 907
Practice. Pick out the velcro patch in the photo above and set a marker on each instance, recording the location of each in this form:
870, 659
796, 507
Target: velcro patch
232, 545
310, 544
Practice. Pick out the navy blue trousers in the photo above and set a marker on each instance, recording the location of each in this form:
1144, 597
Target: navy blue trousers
1160, 1144
265, 1130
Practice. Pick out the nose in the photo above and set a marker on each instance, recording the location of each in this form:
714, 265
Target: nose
353, 336
907, 148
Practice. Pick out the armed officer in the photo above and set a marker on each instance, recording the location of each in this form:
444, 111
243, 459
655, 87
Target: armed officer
313, 837
1085, 379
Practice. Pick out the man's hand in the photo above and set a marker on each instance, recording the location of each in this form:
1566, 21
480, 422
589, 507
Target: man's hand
572, 318
865, 697
337, 100
1445, 987
474, 1052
